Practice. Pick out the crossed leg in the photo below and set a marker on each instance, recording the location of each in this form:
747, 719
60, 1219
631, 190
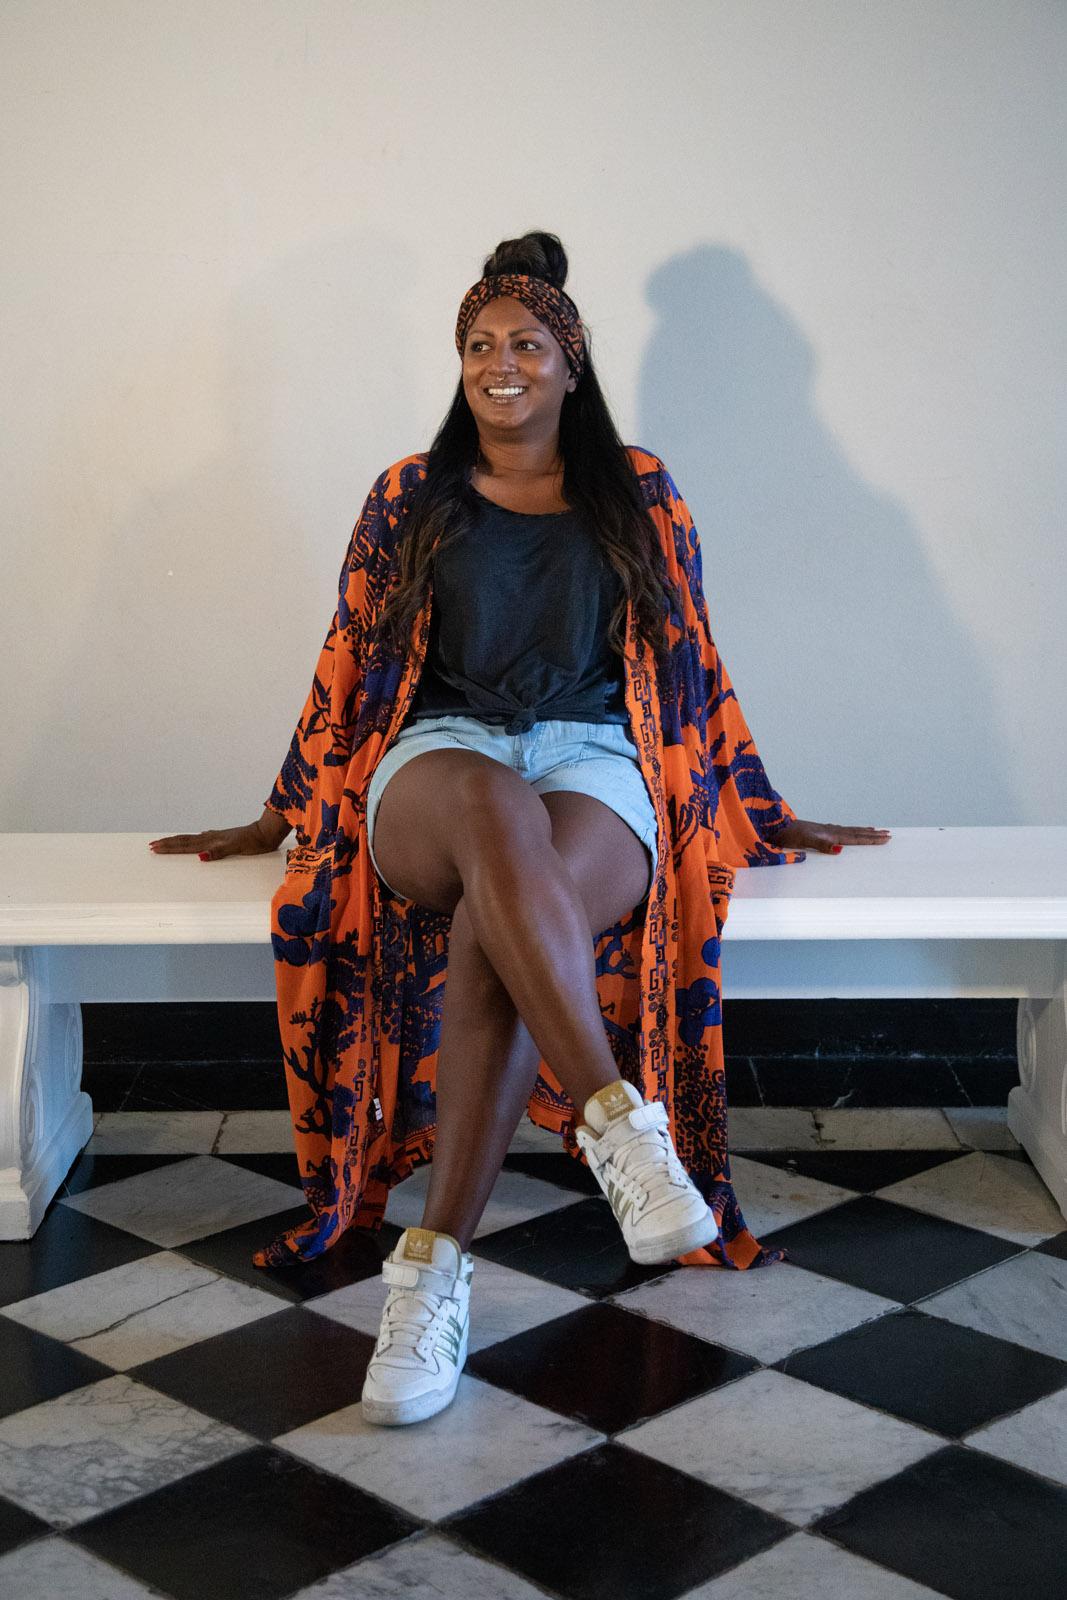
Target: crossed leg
529, 879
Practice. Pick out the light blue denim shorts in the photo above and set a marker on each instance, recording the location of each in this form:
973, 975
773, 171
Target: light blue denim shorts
596, 758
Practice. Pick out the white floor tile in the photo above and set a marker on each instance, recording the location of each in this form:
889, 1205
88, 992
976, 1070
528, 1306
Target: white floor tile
805, 1566
426, 1566
1023, 1299
771, 1128
789, 1447
885, 1128
47, 1568
186, 1200
1034, 1438
767, 1313
982, 1127
483, 1441
776, 1196
88, 1451
255, 1133
515, 1198
983, 1190
155, 1133
142, 1309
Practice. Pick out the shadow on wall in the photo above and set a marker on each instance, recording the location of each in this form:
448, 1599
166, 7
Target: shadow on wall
895, 701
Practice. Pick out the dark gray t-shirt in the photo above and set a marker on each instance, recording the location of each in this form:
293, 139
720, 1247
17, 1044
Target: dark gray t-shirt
518, 630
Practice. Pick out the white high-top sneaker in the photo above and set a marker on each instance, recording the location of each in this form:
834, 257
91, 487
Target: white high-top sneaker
631, 1154
422, 1344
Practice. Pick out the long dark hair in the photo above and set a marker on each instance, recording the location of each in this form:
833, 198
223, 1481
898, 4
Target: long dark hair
599, 482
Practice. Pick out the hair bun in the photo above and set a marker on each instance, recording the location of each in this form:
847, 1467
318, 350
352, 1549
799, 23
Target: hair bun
539, 254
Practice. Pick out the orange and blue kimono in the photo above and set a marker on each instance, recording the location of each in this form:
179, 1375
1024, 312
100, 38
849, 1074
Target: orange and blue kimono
361, 973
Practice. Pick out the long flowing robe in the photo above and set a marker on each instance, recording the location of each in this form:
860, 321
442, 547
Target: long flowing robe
361, 974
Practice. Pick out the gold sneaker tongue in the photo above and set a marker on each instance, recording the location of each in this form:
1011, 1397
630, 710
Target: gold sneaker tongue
614, 1101
418, 1245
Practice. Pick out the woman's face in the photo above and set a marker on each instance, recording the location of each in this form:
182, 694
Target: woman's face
507, 348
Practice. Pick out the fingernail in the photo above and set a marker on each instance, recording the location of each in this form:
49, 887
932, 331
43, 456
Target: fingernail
204, 856
835, 849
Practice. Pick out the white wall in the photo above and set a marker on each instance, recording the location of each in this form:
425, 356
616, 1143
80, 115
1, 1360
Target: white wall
819, 247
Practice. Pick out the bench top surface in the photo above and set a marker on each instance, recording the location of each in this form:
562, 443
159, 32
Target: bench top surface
988, 883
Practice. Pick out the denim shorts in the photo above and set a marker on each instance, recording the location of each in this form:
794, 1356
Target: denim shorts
596, 758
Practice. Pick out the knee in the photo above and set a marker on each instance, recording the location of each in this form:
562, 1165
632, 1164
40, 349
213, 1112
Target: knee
498, 811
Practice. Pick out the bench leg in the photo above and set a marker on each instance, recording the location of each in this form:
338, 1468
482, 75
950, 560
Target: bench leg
45, 1117
1037, 1108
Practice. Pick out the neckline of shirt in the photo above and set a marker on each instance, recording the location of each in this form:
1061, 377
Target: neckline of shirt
568, 511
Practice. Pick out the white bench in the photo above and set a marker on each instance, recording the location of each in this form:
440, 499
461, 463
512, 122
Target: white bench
936, 912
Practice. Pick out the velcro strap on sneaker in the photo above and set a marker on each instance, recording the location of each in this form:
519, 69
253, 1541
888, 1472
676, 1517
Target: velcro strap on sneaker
410, 1276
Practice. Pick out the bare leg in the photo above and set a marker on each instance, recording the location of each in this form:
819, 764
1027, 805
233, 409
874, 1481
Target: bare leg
487, 1068
529, 918
462, 834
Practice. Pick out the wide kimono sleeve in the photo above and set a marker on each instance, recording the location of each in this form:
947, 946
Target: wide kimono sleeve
746, 811
307, 790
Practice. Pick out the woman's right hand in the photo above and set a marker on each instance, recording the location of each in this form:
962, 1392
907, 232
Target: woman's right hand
253, 839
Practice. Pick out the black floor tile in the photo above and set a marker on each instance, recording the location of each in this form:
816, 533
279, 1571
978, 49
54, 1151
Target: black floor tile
279, 1164
565, 1171
888, 1249
930, 1371
268, 1376
606, 1367
357, 1254
861, 1170
35, 1368
611, 1522
91, 1171
1056, 1246
18, 1526
67, 1246
256, 1526
844, 1083
578, 1246
964, 1524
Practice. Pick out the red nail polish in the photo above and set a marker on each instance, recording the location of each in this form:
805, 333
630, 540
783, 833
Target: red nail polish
836, 849
204, 856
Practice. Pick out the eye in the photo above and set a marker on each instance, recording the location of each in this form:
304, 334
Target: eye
476, 342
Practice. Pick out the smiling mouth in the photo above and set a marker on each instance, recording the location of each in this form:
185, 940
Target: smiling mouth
506, 399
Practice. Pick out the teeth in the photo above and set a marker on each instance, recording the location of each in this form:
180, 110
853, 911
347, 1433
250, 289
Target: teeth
508, 391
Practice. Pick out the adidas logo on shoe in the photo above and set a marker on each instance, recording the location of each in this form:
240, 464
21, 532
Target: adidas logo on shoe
628, 1147
422, 1343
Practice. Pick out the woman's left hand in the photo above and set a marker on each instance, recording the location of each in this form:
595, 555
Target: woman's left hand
829, 837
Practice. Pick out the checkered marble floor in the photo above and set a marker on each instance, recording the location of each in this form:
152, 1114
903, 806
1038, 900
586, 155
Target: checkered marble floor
881, 1417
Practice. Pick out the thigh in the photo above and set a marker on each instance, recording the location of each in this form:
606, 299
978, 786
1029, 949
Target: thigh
608, 861
434, 810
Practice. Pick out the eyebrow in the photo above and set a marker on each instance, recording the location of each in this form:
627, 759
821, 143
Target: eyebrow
514, 331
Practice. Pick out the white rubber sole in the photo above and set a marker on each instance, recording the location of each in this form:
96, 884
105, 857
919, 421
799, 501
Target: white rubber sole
394, 1413
650, 1252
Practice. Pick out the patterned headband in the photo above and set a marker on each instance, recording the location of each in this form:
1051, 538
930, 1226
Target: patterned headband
550, 305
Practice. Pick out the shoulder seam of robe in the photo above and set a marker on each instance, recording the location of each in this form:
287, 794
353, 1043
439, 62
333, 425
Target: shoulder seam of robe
361, 973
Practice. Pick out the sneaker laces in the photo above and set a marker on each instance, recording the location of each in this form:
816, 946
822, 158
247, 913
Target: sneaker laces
647, 1165
405, 1323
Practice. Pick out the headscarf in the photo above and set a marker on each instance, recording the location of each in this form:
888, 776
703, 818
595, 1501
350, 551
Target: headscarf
549, 304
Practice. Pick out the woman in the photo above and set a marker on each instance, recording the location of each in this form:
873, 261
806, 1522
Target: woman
521, 764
